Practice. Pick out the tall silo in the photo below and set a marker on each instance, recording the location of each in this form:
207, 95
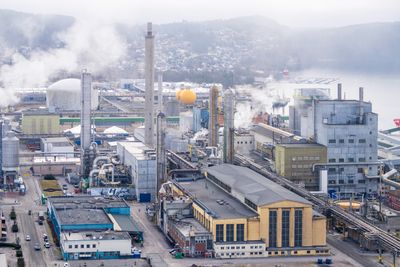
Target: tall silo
10, 156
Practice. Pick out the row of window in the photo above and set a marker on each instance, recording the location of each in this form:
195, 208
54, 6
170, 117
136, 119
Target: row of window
333, 160
242, 253
285, 228
229, 235
305, 158
300, 166
240, 247
83, 246
245, 142
350, 141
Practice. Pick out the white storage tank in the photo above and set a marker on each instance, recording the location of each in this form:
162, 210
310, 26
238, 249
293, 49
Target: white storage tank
10, 156
66, 95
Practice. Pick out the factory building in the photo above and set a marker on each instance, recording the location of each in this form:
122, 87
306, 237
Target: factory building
59, 146
303, 98
40, 122
251, 216
141, 162
90, 227
244, 142
267, 136
295, 162
349, 130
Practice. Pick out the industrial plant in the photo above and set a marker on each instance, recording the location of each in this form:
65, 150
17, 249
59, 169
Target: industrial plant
112, 161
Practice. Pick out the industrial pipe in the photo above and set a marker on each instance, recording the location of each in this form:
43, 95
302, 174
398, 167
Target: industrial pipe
112, 170
96, 160
92, 172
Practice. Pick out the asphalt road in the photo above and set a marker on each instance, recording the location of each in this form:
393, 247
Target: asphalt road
28, 227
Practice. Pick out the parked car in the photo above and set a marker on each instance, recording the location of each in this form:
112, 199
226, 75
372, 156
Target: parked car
40, 222
65, 187
36, 246
66, 264
47, 245
28, 238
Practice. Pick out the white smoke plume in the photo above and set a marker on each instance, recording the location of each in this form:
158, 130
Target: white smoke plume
86, 46
260, 101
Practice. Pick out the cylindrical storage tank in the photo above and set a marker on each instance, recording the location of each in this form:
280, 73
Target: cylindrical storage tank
10, 156
66, 95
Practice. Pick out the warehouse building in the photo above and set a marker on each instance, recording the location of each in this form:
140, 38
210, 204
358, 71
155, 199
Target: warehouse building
251, 216
92, 227
141, 161
60, 146
295, 162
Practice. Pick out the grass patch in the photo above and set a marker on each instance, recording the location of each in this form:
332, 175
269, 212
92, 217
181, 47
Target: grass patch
51, 188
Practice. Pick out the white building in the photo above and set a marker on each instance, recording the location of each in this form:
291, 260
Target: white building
141, 161
60, 146
95, 245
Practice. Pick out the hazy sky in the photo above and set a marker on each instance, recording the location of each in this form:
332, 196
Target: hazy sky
301, 13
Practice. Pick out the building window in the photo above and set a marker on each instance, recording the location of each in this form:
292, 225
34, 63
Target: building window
272, 228
341, 160
361, 181
332, 141
361, 159
82, 246
298, 228
76, 246
250, 204
240, 232
351, 159
219, 233
360, 170
351, 141
361, 141
331, 170
285, 227
332, 160
70, 246
229, 232
341, 141
350, 181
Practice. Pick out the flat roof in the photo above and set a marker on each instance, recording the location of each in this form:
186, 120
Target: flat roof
298, 145
252, 185
88, 202
104, 235
82, 216
124, 223
184, 226
57, 141
137, 149
206, 194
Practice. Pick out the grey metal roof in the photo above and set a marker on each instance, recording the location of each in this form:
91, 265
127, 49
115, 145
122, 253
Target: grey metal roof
253, 186
82, 216
217, 202
126, 223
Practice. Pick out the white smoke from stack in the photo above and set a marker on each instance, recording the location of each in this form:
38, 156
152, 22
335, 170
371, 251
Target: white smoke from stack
86, 45
260, 101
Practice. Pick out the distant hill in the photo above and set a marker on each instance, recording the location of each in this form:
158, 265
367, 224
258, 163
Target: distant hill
220, 50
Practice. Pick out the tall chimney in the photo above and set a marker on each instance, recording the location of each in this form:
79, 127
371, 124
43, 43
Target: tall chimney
149, 87
160, 91
160, 150
361, 94
213, 117
229, 130
339, 91
86, 105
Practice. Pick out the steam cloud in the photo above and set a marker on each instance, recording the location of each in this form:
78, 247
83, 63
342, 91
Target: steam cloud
86, 46
260, 101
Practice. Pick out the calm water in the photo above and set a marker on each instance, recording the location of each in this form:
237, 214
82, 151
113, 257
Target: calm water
382, 90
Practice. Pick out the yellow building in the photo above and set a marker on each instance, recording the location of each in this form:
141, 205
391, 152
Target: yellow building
40, 123
251, 216
295, 162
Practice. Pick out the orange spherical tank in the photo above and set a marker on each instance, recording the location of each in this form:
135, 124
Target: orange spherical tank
187, 96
